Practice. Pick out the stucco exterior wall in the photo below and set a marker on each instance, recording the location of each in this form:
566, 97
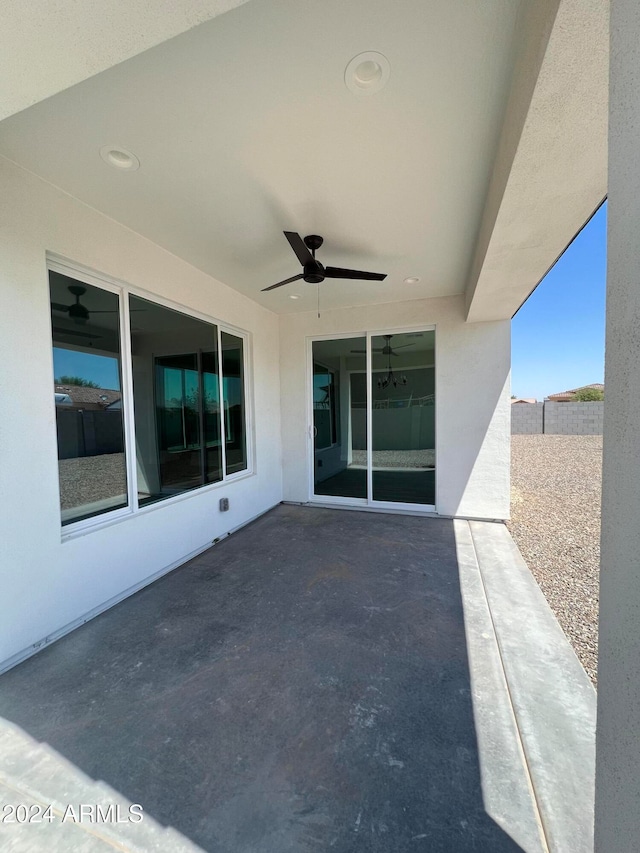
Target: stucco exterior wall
472, 398
617, 827
46, 583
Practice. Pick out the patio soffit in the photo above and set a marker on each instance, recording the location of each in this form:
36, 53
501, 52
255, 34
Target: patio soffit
47, 47
244, 127
550, 173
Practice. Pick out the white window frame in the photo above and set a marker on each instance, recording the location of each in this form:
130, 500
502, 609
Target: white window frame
123, 290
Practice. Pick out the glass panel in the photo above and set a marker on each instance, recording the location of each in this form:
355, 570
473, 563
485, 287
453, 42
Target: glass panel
234, 407
324, 406
178, 421
403, 417
88, 394
176, 400
340, 418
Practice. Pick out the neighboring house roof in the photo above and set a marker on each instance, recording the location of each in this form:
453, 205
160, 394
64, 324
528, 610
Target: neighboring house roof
523, 400
81, 395
565, 396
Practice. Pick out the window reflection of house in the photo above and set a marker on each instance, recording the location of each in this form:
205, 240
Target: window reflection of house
87, 398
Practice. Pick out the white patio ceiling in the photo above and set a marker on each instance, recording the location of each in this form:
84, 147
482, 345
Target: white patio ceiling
244, 127
47, 47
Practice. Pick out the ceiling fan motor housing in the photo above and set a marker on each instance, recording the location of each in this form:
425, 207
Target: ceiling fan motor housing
78, 313
313, 274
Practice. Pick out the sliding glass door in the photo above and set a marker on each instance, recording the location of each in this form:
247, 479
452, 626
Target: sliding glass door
373, 410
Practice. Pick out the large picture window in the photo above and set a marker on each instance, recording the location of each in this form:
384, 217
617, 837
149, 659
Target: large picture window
187, 384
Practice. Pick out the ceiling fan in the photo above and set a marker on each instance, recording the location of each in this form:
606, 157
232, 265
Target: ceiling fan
313, 271
78, 312
387, 349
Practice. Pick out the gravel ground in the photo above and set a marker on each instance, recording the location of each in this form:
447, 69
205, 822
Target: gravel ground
91, 478
397, 458
555, 519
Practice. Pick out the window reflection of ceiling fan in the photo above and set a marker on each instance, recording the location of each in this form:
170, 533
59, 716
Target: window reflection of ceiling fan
61, 332
387, 349
78, 312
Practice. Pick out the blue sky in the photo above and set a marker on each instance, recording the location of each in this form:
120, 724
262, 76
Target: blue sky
101, 369
557, 337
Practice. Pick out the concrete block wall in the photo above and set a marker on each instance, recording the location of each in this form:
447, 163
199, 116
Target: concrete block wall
557, 418
573, 418
526, 418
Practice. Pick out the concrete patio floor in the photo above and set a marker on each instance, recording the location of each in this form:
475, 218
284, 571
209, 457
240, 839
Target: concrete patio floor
320, 680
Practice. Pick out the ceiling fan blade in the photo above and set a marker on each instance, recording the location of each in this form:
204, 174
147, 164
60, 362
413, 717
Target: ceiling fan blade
299, 247
339, 272
58, 307
363, 351
403, 346
280, 283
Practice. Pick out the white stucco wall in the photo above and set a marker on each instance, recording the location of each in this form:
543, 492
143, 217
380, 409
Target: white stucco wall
617, 827
46, 583
472, 398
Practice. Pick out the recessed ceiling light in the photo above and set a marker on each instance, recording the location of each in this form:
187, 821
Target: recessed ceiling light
119, 158
412, 280
293, 296
367, 73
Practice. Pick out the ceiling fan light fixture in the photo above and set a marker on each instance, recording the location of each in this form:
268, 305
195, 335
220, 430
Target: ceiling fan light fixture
390, 379
367, 73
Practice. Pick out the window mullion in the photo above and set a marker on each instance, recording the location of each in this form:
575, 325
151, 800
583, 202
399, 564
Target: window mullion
203, 449
127, 401
221, 413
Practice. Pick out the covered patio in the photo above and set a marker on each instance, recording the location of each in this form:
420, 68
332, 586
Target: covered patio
319, 680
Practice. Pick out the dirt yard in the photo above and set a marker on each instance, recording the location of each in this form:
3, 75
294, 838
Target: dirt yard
555, 519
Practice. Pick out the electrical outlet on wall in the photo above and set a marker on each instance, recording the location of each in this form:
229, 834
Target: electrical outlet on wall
224, 504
